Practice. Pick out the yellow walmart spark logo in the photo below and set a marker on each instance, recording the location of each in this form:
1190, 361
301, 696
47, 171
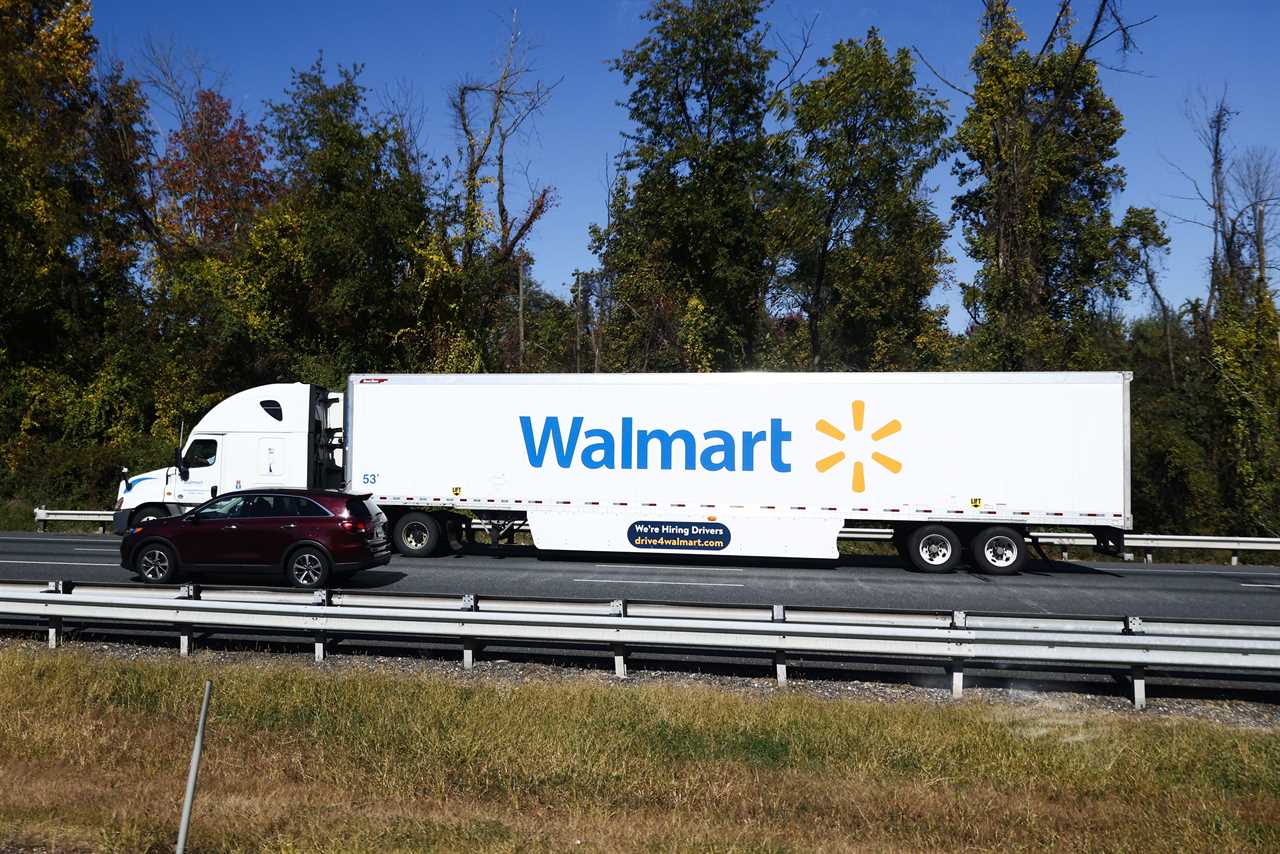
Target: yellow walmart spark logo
859, 475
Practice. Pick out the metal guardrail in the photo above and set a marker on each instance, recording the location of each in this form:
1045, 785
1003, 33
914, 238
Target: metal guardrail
953, 638
1149, 542
44, 517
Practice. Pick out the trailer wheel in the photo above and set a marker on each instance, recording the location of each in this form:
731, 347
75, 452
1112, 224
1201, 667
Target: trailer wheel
998, 551
933, 548
417, 534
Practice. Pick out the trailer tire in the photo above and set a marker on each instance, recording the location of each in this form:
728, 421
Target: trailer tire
417, 534
933, 548
998, 550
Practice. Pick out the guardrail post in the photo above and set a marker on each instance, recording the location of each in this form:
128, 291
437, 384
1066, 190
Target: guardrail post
469, 645
1147, 558
619, 661
1139, 687
1235, 558
186, 631
1064, 553
320, 598
55, 622
779, 656
956, 671
42, 524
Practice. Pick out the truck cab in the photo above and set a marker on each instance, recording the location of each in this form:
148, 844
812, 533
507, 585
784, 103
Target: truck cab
284, 435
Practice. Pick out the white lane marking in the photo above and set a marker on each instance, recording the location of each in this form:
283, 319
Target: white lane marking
681, 583
83, 549
1260, 585
668, 566
1226, 573
44, 539
55, 563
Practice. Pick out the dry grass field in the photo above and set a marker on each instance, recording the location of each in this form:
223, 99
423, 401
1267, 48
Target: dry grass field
93, 755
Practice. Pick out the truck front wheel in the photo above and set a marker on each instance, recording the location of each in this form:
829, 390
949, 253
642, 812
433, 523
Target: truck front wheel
933, 548
998, 551
417, 534
147, 512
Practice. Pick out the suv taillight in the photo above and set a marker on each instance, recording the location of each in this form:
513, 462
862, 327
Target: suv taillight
358, 525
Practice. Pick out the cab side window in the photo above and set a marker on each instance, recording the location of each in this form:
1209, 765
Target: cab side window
201, 454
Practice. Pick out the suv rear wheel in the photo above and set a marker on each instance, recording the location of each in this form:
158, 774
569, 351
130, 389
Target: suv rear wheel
308, 568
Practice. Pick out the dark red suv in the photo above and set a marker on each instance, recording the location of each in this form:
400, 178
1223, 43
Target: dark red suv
308, 535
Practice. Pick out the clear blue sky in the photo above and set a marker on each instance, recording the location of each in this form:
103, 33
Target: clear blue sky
1191, 46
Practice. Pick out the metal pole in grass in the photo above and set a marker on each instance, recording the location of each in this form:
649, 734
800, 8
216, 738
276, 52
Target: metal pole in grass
195, 770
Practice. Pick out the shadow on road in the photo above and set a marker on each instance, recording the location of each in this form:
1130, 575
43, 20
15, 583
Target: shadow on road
528, 552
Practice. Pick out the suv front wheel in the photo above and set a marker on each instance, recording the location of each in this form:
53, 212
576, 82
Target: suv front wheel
156, 563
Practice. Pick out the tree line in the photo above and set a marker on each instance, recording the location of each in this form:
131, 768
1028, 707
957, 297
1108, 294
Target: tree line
768, 210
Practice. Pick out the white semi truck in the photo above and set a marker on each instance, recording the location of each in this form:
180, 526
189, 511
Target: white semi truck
750, 464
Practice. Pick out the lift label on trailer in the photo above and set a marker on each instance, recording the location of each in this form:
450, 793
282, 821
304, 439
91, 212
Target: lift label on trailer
693, 536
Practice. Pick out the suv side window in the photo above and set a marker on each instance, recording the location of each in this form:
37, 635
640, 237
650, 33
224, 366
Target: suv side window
221, 509
299, 506
260, 507
201, 454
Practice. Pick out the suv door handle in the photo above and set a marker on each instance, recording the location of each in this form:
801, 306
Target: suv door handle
290, 525
230, 527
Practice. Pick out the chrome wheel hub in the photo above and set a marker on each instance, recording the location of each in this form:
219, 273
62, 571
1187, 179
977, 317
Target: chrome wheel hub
415, 535
935, 549
1000, 551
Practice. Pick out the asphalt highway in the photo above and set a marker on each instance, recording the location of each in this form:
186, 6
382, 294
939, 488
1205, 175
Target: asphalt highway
1168, 591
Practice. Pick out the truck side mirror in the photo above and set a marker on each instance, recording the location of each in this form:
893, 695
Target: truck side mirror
178, 463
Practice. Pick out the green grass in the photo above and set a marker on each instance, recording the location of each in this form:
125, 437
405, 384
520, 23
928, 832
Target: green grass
93, 752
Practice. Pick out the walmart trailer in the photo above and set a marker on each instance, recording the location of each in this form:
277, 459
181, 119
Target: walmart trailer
752, 464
